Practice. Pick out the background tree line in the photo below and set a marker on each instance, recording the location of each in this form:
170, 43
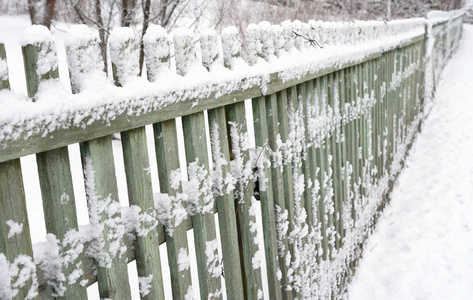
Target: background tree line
201, 14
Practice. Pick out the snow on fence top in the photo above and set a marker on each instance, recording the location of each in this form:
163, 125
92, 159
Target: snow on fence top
277, 56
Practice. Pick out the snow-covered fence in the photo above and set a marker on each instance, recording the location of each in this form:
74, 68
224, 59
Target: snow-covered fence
335, 107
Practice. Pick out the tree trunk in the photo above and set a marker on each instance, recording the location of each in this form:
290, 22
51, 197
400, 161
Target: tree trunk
102, 34
146, 12
41, 12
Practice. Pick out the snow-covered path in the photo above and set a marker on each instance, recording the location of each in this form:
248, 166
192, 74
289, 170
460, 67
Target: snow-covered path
422, 247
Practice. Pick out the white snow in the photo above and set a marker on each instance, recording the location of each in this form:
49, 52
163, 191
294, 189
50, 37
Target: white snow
145, 285
15, 228
423, 243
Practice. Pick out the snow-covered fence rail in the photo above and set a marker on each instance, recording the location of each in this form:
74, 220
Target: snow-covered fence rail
335, 107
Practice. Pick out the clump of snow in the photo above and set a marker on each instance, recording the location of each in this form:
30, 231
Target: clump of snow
124, 54
183, 260
15, 228
221, 183
54, 256
198, 189
170, 210
145, 286
16, 275
213, 259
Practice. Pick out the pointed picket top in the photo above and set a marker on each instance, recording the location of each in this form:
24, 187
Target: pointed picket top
298, 40
209, 48
266, 38
231, 46
123, 54
185, 50
278, 40
253, 43
4, 82
157, 51
40, 57
83, 57
287, 28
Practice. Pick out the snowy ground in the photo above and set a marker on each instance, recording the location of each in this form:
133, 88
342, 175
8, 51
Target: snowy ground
422, 247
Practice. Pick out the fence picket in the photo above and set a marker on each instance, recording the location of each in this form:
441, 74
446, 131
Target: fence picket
55, 173
15, 245
203, 221
99, 175
223, 195
157, 57
138, 178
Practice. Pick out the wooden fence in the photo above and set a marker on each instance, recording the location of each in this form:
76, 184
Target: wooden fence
335, 107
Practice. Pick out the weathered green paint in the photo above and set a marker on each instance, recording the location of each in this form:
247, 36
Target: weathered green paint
285, 198
140, 193
4, 82
235, 115
226, 208
203, 223
13, 209
165, 137
97, 156
261, 114
54, 173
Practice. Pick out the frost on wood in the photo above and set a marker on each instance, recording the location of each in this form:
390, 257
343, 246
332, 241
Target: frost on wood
106, 230
185, 51
222, 183
213, 259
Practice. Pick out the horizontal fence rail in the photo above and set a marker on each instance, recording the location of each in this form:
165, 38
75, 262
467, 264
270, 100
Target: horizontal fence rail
335, 108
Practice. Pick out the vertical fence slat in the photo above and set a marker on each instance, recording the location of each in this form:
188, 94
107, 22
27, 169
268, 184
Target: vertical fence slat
225, 197
165, 136
157, 57
263, 144
203, 220
14, 243
138, 178
236, 127
99, 174
54, 170
286, 198
226, 207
